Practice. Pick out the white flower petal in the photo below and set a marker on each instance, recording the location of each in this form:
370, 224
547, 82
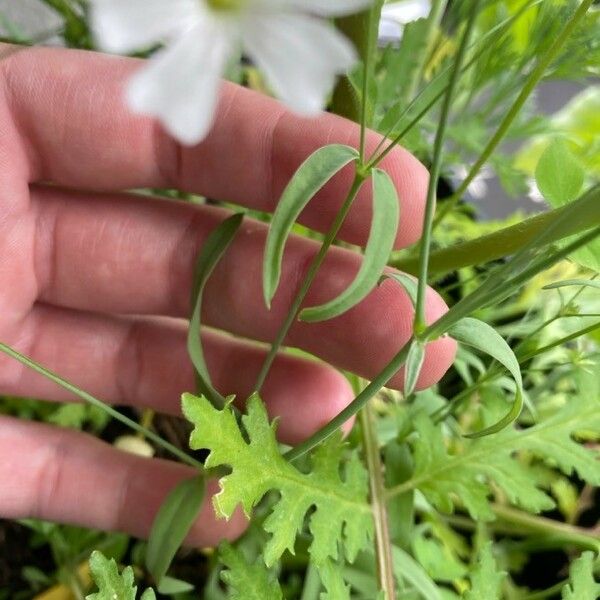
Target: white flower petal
407, 11
127, 25
299, 55
329, 8
180, 85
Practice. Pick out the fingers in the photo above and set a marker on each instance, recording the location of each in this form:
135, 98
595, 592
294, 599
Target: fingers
69, 477
144, 362
74, 129
127, 254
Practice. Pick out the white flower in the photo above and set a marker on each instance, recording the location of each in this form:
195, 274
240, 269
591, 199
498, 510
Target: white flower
299, 53
395, 15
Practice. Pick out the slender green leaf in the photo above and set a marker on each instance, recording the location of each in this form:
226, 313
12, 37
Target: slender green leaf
172, 524
573, 282
170, 585
408, 282
310, 177
406, 567
481, 336
559, 175
212, 251
414, 364
386, 213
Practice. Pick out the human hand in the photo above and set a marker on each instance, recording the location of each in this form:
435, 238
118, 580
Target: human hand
95, 283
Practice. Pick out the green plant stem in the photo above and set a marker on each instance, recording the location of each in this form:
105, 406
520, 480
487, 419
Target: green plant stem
530, 84
560, 342
499, 30
433, 22
312, 584
89, 399
425, 246
536, 524
359, 402
508, 240
383, 544
313, 269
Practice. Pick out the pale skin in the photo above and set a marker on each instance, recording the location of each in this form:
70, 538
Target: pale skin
95, 280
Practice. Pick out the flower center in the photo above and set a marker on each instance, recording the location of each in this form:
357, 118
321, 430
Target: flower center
226, 5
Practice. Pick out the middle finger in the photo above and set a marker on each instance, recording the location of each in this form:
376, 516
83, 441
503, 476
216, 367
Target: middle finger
130, 254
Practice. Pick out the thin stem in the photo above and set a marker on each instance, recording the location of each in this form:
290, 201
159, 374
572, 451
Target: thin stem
436, 167
368, 67
383, 550
313, 269
530, 84
506, 241
433, 22
102, 406
545, 526
359, 402
312, 584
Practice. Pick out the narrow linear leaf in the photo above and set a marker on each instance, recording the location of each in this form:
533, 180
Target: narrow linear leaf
170, 585
407, 568
386, 215
481, 336
573, 282
408, 282
310, 177
212, 251
414, 364
559, 175
172, 524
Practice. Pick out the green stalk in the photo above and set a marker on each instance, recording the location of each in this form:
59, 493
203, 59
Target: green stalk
383, 544
530, 84
433, 22
89, 399
313, 269
545, 526
425, 246
508, 240
359, 402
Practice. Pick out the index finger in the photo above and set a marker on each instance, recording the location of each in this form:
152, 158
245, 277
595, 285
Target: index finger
71, 118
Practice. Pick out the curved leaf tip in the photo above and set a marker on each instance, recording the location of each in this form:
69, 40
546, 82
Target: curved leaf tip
310, 177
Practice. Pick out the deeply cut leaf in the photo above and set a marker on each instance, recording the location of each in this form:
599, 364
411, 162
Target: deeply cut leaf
310, 177
481, 336
341, 510
386, 214
246, 581
212, 251
486, 580
172, 524
112, 584
582, 584
443, 478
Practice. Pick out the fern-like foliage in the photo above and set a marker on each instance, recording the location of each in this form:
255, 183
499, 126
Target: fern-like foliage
486, 580
582, 585
337, 495
445, 477
112, 584
246, 581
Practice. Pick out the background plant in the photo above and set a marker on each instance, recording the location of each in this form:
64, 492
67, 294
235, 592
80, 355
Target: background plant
409, 506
